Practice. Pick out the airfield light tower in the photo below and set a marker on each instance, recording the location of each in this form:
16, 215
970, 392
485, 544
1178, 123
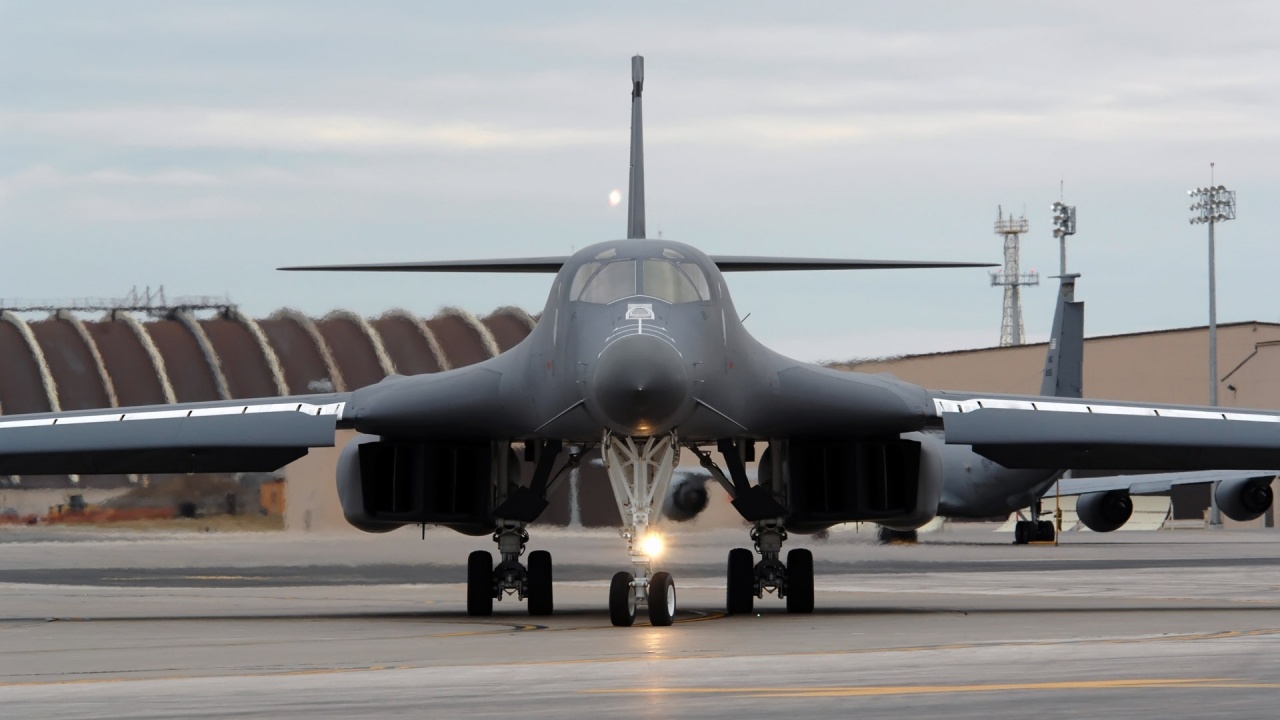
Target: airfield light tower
1011, 278
1209, 206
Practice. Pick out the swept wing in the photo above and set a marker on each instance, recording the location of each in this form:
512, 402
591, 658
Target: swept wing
1037, 432
231, 436
726, 263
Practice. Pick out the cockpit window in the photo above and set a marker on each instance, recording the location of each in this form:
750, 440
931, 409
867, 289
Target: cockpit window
580, 278
603, 284
668, 281
698, 278
606, 282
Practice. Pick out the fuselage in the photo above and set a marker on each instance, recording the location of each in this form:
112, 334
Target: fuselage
636, 335
640, 338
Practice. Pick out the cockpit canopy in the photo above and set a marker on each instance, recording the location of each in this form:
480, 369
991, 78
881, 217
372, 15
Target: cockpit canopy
673, 278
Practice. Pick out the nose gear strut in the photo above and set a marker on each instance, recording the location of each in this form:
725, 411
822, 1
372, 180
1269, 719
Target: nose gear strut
640, 471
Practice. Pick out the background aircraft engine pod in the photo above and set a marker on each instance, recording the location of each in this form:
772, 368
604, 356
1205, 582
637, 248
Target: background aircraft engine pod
890, 481
386, 483
1244, 499
687, 497
1104, 511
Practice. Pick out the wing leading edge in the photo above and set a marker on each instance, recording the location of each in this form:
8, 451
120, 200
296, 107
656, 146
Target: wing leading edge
726, 263
233, 436
1049, 433
749, 263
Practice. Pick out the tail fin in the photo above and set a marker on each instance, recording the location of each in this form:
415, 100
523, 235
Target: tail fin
1064, 361
635, 193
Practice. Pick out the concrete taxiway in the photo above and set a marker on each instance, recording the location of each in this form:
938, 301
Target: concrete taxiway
101, 624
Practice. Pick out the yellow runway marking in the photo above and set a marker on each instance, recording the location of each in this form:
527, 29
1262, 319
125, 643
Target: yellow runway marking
874, 691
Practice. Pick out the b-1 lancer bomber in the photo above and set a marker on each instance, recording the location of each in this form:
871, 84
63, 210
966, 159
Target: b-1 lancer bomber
639, 354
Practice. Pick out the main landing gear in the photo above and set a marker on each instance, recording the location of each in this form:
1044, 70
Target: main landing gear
640, 472
531, 582
889, 536
1034, 530
760, 504
748, 580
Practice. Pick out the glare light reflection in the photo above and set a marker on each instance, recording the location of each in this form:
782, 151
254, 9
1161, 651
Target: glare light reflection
652, 545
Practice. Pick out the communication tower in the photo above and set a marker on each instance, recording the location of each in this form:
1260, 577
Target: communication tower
1011, 278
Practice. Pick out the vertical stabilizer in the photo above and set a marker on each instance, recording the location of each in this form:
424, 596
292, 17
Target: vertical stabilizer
635, 194
1064, 360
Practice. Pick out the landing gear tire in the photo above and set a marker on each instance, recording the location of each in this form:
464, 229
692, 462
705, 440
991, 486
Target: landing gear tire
662, 599
800, 581
1023, 532
1045, 531
480, 584
539, 581
740, 591
889, 536
622, 600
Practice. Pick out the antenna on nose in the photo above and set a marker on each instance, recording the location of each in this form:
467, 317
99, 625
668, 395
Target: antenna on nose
635, 193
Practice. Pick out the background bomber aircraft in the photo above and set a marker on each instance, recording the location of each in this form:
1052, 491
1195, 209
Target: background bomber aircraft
640, 354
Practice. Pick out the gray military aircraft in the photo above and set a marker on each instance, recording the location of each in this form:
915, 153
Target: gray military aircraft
640, 354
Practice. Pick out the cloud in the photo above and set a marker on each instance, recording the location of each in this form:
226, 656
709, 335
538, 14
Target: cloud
96, 208
266, 129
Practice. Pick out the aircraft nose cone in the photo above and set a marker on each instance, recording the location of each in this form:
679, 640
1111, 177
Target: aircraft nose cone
640, 385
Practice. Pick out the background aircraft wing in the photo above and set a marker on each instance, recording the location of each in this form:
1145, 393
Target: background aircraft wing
1059, 433
227, 436
1154, 483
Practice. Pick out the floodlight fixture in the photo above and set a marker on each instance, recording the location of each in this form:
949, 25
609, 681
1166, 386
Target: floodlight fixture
1212, 204
1064, 224
1064, 219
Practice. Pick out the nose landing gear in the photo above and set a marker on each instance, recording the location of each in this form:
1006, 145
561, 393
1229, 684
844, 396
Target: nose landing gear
640, 473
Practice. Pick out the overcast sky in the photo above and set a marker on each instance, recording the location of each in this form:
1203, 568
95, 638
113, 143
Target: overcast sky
200, 145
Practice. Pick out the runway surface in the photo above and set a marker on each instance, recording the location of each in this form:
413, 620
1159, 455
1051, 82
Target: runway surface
1161, 624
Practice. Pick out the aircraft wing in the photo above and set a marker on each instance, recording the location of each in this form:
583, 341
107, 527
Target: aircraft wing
257, 435
1154, 483
1047, 433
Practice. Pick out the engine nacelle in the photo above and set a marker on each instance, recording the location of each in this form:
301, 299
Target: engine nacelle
384, 484
1244, 499
892, 481
1104, 511
687, 498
